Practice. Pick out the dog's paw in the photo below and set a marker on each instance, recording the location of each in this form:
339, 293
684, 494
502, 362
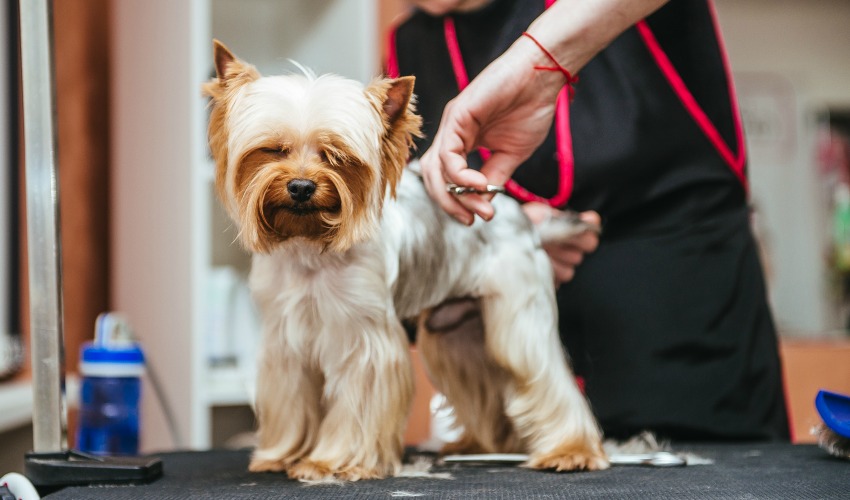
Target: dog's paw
571, 458
259, 464
358, 473
308, 470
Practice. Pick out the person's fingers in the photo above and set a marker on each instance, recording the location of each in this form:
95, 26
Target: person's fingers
564, 262
499, 167
454, 142
458, 172
456, 169
591, 217
572, 252
435, 184
566, 255
445, 161
585, 242
563, 273
479, 204
464, 176
452, 158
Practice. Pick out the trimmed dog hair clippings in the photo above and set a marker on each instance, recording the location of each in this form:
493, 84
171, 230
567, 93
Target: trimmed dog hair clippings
834, 433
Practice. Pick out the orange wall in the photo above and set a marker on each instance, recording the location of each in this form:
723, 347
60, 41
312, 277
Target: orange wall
389, 13
811, 365
81, 72
419, 421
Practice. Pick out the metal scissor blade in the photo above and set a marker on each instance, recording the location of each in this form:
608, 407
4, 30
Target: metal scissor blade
656, 459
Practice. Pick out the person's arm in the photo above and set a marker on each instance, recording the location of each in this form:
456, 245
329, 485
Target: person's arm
509, 107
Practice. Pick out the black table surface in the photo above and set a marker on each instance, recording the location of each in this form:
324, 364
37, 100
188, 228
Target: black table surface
740, 471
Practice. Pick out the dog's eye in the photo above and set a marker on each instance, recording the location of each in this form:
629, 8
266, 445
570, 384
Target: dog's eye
323, 155
280, 151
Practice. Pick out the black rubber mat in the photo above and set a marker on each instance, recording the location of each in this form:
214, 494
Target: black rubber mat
770, 471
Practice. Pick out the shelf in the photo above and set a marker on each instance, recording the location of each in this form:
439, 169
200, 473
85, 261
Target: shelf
227, 387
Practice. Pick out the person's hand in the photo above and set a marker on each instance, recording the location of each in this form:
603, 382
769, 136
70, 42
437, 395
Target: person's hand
565, 255
508, 108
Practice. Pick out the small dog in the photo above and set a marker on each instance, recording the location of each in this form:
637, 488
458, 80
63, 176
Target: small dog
346, 242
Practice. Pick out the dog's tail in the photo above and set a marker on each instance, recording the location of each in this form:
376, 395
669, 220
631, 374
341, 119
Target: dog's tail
563, 225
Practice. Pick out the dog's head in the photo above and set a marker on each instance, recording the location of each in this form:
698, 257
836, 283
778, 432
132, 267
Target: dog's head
300, 156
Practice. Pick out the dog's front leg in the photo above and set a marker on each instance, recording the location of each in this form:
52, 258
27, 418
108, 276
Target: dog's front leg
287, 406
368, 388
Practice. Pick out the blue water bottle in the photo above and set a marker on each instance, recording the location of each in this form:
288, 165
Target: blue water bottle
111, 367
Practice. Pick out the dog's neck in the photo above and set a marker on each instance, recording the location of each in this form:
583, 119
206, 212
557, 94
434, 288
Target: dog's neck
312, 256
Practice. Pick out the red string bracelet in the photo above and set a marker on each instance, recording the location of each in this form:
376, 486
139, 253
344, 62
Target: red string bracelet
571, 80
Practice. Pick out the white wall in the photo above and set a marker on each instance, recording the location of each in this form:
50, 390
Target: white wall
268, 32
806, 41
791, 61
158, 211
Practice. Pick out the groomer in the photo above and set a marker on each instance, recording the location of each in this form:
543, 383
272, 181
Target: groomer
624, 110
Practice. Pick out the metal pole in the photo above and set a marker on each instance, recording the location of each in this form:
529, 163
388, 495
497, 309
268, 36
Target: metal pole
43, 242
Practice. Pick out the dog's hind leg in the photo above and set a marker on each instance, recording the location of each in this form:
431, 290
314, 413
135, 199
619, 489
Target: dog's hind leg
451, 341
542, 399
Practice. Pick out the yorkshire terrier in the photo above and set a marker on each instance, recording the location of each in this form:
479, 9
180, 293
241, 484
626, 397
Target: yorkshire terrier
346, 241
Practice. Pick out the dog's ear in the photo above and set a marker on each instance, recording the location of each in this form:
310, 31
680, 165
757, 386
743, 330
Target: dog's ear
399, 94
223, 58
230, 71
395, 101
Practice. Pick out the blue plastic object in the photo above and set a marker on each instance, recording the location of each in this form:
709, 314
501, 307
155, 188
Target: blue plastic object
111, 388
834, 409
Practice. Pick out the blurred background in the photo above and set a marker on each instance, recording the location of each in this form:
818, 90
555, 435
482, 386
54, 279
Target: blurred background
142, 232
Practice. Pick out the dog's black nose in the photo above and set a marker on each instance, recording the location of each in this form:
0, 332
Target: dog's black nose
301, 189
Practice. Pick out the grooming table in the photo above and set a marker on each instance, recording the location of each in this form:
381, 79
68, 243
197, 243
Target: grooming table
771, 471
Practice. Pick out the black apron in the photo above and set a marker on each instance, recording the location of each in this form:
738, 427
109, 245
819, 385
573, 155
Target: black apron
667, 322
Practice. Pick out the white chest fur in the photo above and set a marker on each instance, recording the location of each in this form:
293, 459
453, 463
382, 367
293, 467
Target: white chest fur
417, 259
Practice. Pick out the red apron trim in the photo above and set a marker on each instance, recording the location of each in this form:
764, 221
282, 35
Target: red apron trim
563, 137
735, 161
